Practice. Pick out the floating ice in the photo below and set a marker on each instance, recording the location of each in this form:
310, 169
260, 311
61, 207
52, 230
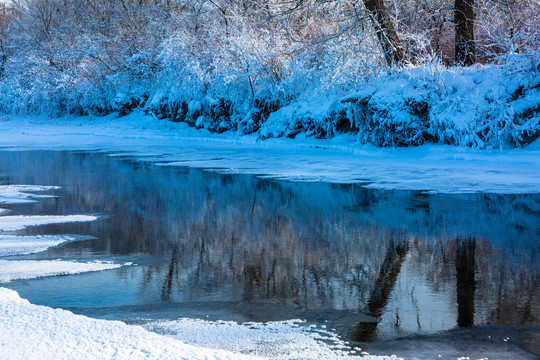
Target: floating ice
434, 168
23, 245
20, 194
11, 270
19, 222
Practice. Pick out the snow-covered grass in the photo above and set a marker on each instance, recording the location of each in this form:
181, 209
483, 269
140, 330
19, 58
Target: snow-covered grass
434, 168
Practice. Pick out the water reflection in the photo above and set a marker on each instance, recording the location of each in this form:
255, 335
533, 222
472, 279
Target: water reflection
412, 262
465, 284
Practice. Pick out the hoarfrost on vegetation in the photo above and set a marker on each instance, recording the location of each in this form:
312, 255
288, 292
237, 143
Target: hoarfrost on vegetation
278, 69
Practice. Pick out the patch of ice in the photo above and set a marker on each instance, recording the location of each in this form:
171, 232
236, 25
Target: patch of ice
37, 332
292, 339
24, 245
11, 270
19, 222
434, 168
20, 194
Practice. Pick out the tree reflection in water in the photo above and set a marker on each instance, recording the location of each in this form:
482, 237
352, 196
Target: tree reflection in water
334, 250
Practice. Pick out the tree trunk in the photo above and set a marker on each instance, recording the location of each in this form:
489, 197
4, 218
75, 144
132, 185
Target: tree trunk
388, 274
466, 283
464, 22
388, 38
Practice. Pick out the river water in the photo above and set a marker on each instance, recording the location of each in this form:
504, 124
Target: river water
377, 266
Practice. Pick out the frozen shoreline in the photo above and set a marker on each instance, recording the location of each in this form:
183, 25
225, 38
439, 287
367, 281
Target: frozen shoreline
37, 332
432, 168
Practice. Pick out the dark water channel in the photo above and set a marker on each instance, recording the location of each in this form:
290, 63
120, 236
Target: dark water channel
374, 265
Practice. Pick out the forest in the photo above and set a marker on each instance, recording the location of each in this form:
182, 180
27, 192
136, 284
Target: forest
392, 72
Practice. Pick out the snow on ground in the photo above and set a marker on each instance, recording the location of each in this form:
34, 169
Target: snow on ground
19, 222
291, 339
24, 245
435, 168
19, 194
36, 332
11, 270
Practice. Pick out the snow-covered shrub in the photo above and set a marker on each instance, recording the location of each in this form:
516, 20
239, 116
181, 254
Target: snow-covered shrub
276, 69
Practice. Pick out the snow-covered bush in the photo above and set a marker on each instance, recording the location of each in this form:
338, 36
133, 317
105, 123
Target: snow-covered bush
275, 68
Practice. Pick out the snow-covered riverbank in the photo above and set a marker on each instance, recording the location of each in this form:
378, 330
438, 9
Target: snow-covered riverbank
434, 168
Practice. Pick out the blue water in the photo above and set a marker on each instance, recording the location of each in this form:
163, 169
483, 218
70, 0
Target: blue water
375, 265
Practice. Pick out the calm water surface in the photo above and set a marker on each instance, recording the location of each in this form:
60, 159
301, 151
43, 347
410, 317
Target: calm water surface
374, 265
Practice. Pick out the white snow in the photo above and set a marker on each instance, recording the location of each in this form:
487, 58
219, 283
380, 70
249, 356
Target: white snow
434, 168
292, 339
23, 245
36, 332
19, 194
11, 270
19, 222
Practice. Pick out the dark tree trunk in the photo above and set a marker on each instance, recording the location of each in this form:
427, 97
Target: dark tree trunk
464, 22
388, 38
388, 274
466, 283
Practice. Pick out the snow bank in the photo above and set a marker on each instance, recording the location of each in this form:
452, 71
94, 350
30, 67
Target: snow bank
434, 168
36, 332
291, 339
24, 245
19, 222
11, 270
19, 194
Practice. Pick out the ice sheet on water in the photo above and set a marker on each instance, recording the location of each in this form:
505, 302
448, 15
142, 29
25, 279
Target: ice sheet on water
292, 339
24, 245
19, 222
434, 168
20, 194
11, 270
